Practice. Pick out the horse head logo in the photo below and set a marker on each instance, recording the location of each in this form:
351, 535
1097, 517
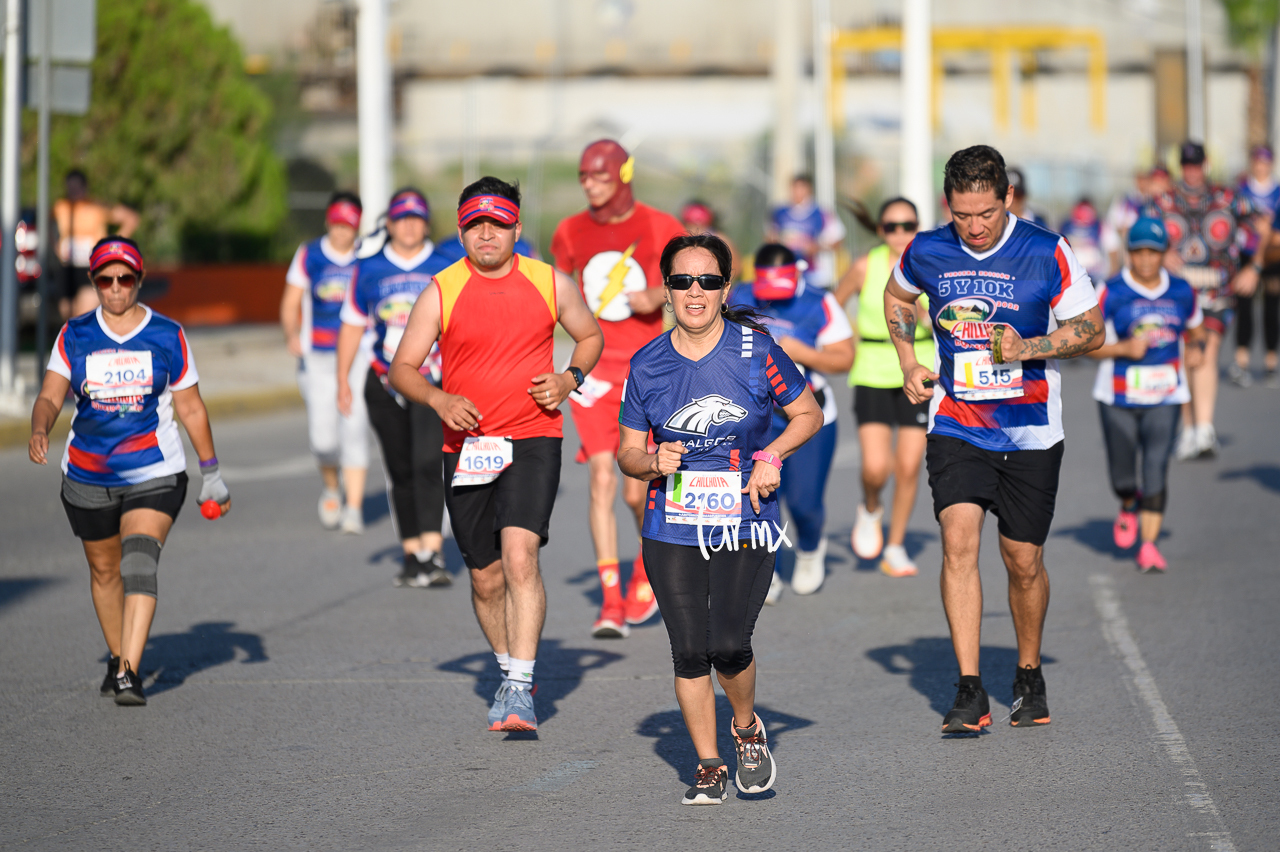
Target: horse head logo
700, 415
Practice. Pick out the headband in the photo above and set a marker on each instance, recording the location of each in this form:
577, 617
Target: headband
113, 251
495, 207
343, 213
409, 204
776, 282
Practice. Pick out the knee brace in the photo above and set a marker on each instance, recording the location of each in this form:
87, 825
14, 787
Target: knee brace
1153, 502
139, 562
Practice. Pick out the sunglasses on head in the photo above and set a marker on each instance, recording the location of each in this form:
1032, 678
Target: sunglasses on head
104, 282
706, 282
905, 227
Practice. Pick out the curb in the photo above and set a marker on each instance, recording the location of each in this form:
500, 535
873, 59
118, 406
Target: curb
17, 432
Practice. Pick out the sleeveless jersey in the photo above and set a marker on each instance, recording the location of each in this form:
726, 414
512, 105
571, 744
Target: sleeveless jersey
813, 317
1161, 316
496, 334
122, 432
325, 275
385, 288
610, 261
720, 408
875, 363
1029, 281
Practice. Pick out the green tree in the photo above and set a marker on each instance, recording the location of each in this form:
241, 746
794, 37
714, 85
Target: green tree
1250, 24
176, 130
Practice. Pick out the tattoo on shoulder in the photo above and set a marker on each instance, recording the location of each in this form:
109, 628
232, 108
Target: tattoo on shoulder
902, 324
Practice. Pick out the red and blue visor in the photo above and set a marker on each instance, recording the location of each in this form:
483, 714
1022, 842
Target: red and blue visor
496, 207
409, 204
776, 282
343, 213
115, 251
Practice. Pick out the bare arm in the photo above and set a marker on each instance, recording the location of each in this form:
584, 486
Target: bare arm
45, 413
291, 318
348, 345
422, 332
831, 358
189, 407
1246, 280
851, 284
645, 301
900, 313
125, 219
549, 390
635, 460
1076, 336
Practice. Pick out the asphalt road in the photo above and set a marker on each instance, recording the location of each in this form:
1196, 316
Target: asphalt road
298, 700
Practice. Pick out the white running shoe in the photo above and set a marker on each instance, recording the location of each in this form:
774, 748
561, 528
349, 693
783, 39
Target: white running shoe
811, 570
868, 538
1207, 441
896, 562
1188, 444
330, 509
775, 590
352, 520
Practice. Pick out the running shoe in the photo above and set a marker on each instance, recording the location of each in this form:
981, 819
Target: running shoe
128, 688
437, 576
1207, 441
640, 604
612, 624
1030, 707
1240, 376
896, 563
1125, 529
496, 712
1271, 379
971, 712
352, 520
109, 682
330, 509
810, 570
1150, 559
868, 538
710, 784
1188, 449
756, 769
775, 590
517, 708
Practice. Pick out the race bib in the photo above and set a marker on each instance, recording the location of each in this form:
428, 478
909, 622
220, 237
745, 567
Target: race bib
977, 377
111, 375
391, 341
482, 460
1150, 385
592, 391
716, 496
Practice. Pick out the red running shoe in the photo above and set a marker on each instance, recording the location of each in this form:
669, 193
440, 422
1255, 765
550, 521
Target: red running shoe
640, 604
1125, 529
611, 624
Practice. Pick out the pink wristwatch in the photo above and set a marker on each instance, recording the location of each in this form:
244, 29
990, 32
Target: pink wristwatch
761, 455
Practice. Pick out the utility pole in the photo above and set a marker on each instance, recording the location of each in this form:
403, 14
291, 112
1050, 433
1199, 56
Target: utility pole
917, 128
824, 146
44, 230
10, 131
373, 93
786, 92
1195, 73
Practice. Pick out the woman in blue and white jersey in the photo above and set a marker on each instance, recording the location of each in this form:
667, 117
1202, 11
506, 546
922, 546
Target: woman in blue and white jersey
708, 390
810, 326
124, 472
1142, 382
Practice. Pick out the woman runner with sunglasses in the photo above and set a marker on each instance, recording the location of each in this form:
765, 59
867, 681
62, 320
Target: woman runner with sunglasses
124, 472
879, 402
708, 390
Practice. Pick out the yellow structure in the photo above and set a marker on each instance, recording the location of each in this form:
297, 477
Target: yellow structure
1003, 44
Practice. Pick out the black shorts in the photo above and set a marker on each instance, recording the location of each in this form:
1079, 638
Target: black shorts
94, 510
523, 496
889, 406
1020, 486
73, 278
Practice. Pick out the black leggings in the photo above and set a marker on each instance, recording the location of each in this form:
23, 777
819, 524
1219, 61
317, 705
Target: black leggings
1150, 431
412, 442
709, 606
1270, 287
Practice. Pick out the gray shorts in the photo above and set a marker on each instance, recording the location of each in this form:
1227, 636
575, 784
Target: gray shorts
94, 510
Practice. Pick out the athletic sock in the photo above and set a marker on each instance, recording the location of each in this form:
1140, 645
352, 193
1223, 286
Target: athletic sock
424, 556
521, 671
609, 583
504, 662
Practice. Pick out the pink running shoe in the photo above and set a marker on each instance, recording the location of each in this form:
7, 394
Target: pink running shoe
1150, 559
1125, 529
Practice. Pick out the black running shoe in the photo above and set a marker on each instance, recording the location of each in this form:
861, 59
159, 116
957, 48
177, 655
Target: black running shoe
109, 682
1030, 707
971, 712
437, 576
756, 769
710, 784
128, 688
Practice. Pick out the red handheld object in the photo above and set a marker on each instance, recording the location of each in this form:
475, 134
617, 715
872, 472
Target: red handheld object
211, 510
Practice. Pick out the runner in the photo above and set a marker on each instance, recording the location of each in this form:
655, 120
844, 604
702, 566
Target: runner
124, 472
1083, 231
82, 222
310, 316
1260, 187
612, 248
381, 295
1020, 207
1141, 383
707, 390
1007, 299
698, 217
806, 229
499, 402
879, 402
811, 327
1207, 224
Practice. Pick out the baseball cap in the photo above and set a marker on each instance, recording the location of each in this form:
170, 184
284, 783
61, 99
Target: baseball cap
1261, 152
1017, 181
1148, 232
1191, 154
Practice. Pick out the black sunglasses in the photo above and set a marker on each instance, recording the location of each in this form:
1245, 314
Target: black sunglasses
706, 282
906, 227
105, 282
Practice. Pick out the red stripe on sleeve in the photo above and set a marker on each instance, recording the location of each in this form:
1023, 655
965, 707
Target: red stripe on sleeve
62, 347
186, 356
1064, 269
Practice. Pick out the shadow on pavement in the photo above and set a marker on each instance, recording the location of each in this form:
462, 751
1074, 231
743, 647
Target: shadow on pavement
560, 671
375, 507
14, 589
589, 579
1266, 475
840, 542
173, 657
394, 555
930, 664
1096, 534
674, 746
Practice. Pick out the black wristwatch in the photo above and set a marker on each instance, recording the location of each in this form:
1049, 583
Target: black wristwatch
578, 377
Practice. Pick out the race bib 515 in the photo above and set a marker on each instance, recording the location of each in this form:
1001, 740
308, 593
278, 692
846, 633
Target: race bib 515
977, 377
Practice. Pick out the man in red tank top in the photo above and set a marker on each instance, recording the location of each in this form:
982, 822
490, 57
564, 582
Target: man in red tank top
494, 314
613, 248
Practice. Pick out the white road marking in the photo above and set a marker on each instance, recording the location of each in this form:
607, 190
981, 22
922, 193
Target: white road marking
1115, 627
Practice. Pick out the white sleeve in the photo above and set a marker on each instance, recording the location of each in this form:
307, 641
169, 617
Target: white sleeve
351, 313
189, 375
1111, 337
58, 362
833, 230
837, 327
297, 274
903, 282
1076, 294
1197, 318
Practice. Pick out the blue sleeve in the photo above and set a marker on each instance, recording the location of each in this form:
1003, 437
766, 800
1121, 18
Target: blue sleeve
632, 412
785, 382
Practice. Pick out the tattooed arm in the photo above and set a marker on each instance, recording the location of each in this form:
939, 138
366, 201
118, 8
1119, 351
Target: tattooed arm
900, 313
1076, 336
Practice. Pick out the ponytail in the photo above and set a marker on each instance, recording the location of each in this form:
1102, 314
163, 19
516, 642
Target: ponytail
744, 316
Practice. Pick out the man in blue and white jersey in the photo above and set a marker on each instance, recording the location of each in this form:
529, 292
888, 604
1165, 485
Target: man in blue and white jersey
1007, 298
807, 229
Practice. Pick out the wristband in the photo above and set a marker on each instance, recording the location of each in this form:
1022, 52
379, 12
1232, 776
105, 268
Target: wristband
997, 337
212, 462
768, 458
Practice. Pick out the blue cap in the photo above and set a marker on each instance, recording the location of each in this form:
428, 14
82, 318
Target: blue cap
1150, 233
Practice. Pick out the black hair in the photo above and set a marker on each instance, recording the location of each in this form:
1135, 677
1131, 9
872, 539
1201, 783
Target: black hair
351, 197
859, 211
804, 176
490, 185
405, 190
774, 254
974, 170
78, 175
724, 261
